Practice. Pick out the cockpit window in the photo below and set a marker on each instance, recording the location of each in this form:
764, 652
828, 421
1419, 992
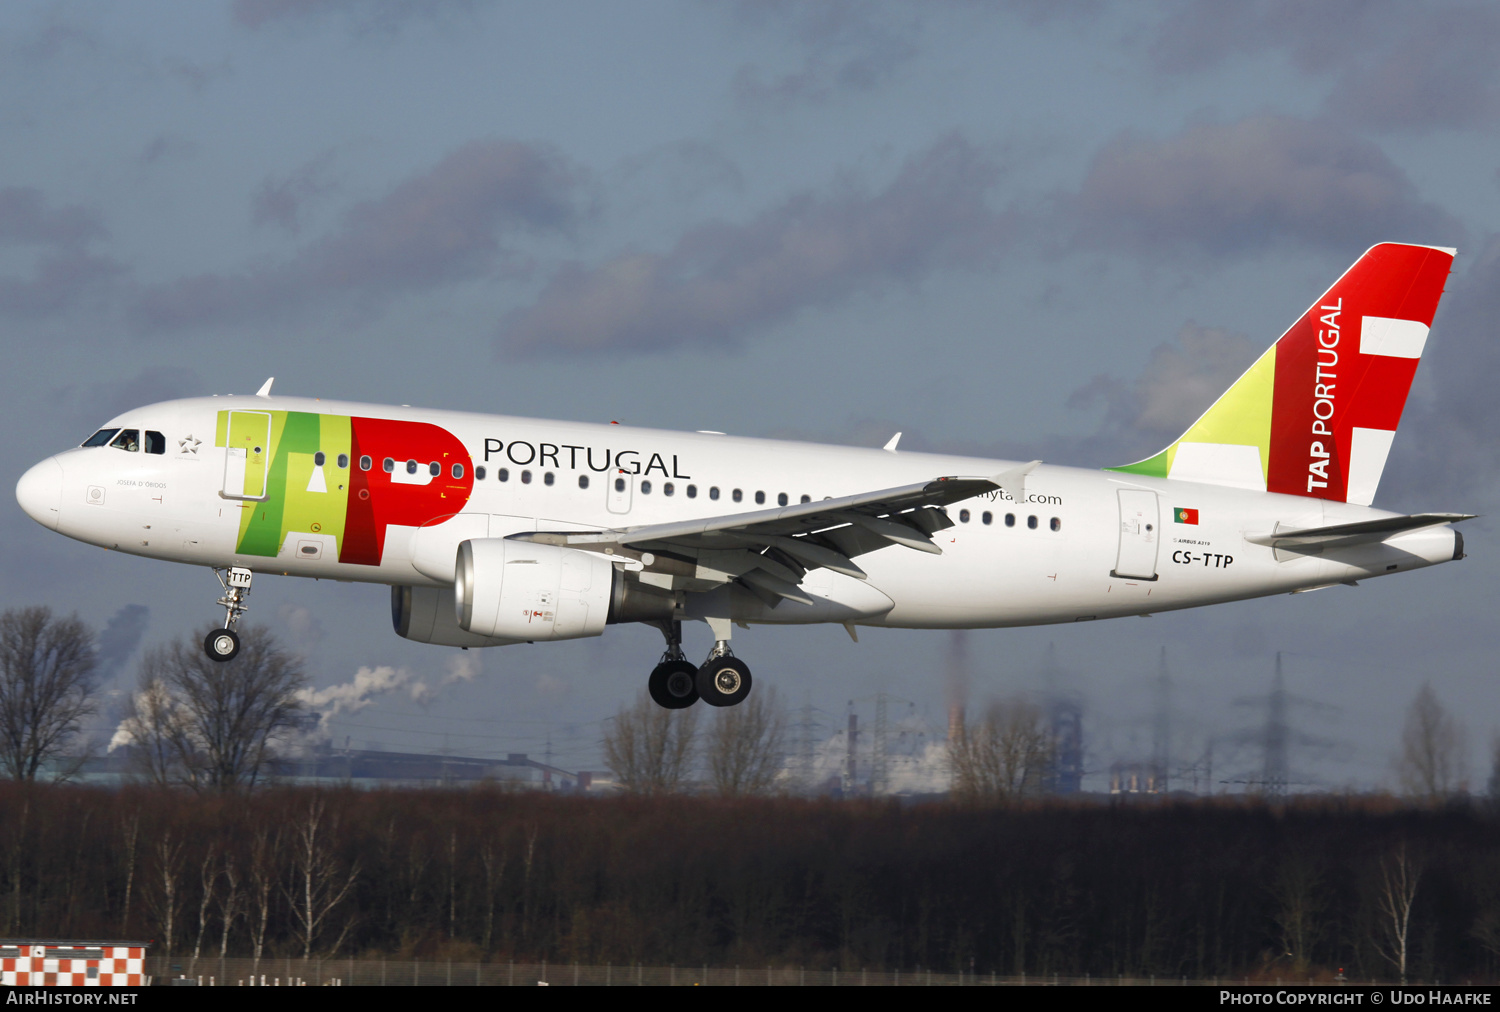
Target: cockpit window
155, 442
128, 439
101, 437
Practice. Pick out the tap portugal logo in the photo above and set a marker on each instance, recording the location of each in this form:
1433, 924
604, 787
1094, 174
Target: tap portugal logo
315, 486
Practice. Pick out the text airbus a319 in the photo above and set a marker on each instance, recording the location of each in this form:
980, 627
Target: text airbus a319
493, 530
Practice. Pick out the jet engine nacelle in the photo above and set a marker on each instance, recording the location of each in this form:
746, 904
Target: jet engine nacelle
520, 590
426, 615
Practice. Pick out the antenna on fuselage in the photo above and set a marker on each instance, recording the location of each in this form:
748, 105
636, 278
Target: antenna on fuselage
265, 388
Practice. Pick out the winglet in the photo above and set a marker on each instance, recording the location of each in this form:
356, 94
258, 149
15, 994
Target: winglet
1013, 482
891, 446
265, 388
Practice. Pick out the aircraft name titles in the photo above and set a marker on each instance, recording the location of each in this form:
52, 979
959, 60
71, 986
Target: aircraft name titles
522, 453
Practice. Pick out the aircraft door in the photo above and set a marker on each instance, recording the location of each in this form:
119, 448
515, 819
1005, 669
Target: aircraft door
247, 455
621, 488
1140, 535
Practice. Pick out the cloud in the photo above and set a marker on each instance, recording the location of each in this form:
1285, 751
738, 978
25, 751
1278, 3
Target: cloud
119, 638
1180, 381
59, 282
442, 226
369, 683
1247, 186
88, 405
721, 281
1441, 72
1393, 65
167, 145
304, 630
363, 16
848, 46
25, 219
65, 273
281, 200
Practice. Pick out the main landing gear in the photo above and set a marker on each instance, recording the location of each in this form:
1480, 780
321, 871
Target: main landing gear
676, 683
224, 644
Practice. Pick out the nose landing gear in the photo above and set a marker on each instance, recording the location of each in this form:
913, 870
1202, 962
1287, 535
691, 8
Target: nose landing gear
224, 644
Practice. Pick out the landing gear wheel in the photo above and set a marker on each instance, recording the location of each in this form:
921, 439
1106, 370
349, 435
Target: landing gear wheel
724, 681
672, 684
222, 645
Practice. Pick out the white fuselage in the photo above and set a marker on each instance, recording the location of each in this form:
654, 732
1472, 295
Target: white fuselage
1057, 568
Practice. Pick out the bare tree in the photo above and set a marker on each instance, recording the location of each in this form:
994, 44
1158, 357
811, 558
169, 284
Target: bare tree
209, 879
1006, 755
650, 749
130, 831
745, 746
319, 884
1431, 764
1300, 899
156, 729
214, 725
265, 849
47, 687
231, 905
1398, 875
167, 897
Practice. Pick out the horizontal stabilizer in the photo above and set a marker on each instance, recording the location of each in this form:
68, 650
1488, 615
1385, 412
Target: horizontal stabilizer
1315, 539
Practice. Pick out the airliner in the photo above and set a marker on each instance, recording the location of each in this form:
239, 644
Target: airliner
493, 530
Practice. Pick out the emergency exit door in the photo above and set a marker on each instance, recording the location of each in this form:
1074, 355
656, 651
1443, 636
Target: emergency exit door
247, 455
621, 488
1140, 535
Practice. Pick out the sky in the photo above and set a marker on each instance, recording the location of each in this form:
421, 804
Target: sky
1019, 229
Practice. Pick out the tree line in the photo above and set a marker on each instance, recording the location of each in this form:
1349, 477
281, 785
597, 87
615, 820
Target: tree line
1202, 889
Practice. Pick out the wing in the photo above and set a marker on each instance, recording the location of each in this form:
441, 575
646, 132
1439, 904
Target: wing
770, 551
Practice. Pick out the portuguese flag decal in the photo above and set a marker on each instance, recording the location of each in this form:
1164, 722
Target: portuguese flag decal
1183, 516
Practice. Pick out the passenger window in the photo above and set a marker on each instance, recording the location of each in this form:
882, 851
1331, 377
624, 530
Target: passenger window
457, 470
128, 439
667, 488
583, 481
988, 518
645, 488
155, 442
619, 484
1031, 522
503, 474
389, 465
806, 498
713, 492
781, 500
1056, 523
364, 463
548, 478
1010, 519
525, 477
433, 469
479, 473
737, 495
963, 516
319, 459
101, 437
760, 498
343, 460
692, 491
411, 467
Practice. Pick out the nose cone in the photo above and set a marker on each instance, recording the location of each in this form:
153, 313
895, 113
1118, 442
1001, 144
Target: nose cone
40, 492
